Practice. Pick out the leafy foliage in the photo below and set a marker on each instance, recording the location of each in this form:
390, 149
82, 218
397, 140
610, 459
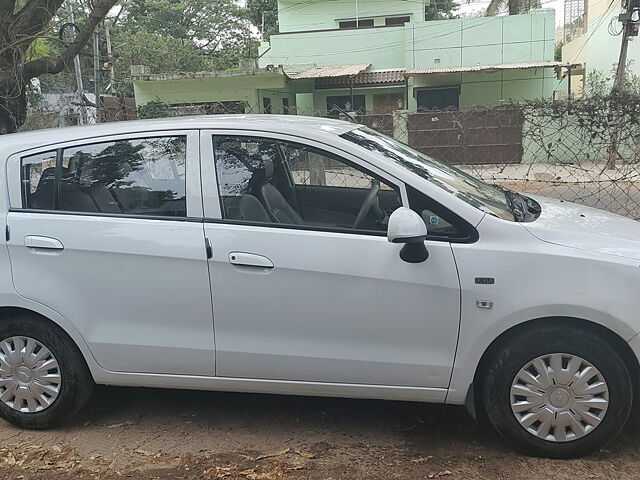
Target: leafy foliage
153, 109
177, 36
264, 12
597, 127
441, 10
209, 24
512, 7
25, 56
598, 84
161, 53
557, 52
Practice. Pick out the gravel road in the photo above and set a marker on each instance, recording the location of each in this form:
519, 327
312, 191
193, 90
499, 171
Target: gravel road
166, 434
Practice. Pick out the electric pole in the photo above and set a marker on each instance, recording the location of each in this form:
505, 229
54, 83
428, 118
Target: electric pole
96, 73
76, 67
112, 75
630, 20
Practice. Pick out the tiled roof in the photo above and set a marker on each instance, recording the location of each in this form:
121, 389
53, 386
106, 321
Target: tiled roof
385, 77
487, 68
330, 71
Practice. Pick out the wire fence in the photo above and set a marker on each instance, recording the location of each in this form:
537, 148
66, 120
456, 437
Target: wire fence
585, 151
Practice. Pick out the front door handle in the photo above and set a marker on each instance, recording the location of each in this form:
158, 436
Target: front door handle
48, 243
249, 260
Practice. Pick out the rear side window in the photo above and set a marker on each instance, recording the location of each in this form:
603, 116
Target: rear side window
133, 176
38, 180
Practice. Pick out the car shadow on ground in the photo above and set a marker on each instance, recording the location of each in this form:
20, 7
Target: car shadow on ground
167, 434
417, 427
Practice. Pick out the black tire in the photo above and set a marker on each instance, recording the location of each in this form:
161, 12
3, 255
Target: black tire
76, 384
513, 355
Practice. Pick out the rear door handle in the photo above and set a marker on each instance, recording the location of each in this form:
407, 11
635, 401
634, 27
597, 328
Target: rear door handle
249, 260
36, 241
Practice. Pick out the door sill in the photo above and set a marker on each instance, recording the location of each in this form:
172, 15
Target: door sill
278, 387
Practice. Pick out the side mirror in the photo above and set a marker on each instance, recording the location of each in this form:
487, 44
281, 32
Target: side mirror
406, 226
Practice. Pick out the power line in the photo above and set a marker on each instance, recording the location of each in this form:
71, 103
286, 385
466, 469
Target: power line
593, 31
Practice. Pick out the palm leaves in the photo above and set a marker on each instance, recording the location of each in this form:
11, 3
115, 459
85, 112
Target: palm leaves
513, 7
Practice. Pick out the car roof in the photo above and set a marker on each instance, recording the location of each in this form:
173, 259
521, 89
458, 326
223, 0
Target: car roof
311, 127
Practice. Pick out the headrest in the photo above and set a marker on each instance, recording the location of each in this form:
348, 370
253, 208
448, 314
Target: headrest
268, 167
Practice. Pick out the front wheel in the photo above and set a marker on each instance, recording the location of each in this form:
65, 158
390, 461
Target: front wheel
43, 377
557, 392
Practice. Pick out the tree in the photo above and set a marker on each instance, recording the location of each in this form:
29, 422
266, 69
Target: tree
441, 10
263, 14
21, 24
178, 36
513, 7
211, 25
557, 52
163, 54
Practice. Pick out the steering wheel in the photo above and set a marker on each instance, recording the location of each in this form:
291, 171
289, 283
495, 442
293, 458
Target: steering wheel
368, 203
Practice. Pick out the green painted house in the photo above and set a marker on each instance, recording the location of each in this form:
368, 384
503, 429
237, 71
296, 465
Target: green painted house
374, 56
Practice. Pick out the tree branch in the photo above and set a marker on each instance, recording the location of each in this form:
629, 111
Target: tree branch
33, 18
7, 7
56, 64
493, 8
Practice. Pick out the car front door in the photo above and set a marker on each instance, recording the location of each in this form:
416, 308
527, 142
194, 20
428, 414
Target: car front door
108, 232
299, 294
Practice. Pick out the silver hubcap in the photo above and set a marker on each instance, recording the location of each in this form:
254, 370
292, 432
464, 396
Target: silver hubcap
559, 397
29, 375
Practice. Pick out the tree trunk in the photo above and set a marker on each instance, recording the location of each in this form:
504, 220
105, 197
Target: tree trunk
13, 104
17, 31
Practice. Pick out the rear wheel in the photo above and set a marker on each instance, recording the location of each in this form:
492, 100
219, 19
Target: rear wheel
43, 376
557, 392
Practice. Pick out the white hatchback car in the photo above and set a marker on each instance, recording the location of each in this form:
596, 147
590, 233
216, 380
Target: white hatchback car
305, 256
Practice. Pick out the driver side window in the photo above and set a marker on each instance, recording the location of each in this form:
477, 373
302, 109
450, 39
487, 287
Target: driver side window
264, 180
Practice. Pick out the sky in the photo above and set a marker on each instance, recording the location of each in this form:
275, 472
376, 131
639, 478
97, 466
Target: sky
474, 7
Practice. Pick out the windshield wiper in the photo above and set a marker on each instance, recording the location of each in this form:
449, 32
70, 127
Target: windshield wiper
524, 209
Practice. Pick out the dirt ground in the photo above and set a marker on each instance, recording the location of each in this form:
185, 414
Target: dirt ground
148, 434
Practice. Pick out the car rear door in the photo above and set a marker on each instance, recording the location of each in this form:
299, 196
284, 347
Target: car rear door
108, 232
320, 304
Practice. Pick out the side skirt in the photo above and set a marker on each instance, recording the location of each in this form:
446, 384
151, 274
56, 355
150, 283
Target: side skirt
279, 387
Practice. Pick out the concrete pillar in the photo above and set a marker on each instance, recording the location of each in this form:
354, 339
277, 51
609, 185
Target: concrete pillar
401, 125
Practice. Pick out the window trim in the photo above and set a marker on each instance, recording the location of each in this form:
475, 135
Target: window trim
192, 170
21, 185
456, 220
132, 216
306, 228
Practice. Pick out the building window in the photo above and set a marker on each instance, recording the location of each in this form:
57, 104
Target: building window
342, 103
266, 105
362, 23
395, 21
387, 102
285, 106
438, 98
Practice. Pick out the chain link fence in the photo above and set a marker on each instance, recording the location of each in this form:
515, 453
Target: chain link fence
584, 151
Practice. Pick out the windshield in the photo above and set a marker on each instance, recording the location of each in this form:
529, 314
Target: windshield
488, 198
